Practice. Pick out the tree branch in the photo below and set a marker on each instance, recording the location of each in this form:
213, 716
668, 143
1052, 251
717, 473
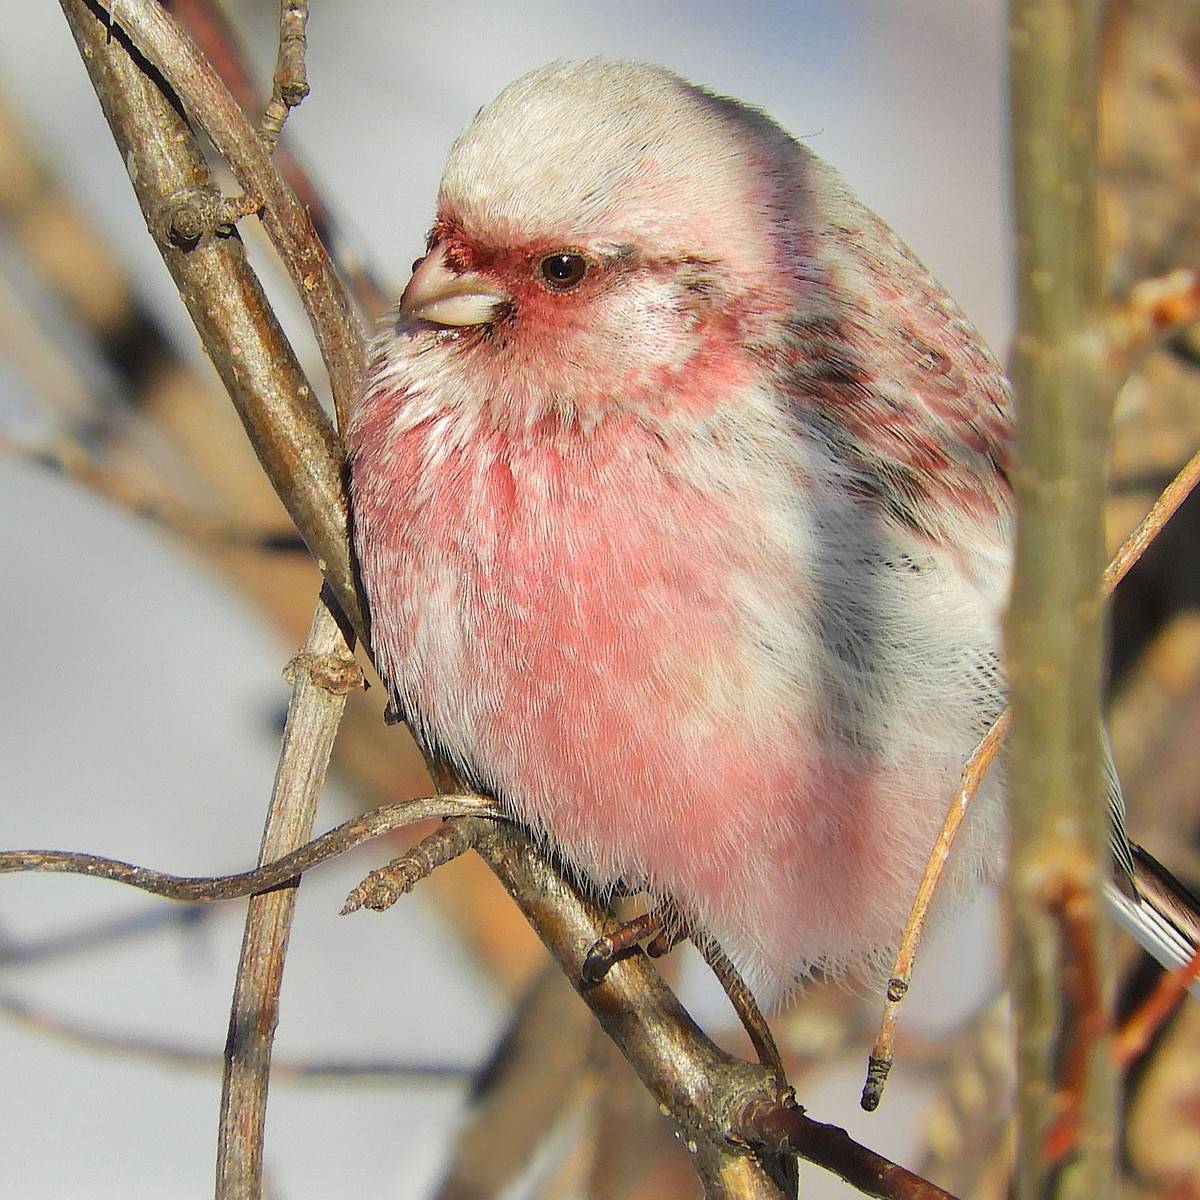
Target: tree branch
207, 101
323, 675
203, 889
167, 1053
1065, 389
288, 429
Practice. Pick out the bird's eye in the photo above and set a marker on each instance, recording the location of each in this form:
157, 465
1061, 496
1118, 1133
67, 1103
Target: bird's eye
562, 272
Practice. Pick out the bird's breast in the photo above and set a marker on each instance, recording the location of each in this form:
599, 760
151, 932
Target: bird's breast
684, 653
536, 564
569, 612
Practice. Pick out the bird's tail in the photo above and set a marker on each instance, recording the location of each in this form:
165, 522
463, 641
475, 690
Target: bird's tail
1158, 911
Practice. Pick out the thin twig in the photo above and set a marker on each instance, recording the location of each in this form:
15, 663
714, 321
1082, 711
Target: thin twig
290, 81
71, 459
883, 1053
84, 939
204, 889
209, 27
1164, 508
532, 879
744, 1004
156, 1050
208, 102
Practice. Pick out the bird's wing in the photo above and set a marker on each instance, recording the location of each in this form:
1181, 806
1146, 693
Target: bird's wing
898, 381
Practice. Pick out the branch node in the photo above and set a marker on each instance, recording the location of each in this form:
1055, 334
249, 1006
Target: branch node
185, 218
337, 673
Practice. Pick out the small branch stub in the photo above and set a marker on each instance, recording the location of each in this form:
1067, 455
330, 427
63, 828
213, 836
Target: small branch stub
385, 885
338, 674
184, 219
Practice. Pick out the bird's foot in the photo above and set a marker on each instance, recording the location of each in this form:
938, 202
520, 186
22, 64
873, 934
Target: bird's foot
658, 931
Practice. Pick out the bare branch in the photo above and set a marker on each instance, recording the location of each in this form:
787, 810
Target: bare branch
288, 429
717, 1100
786, 1128
86, 938
1136, 1034
322, 678
704, 1089
208, 102
1065, 384
68, 457
203, 889
128, 1044
208, 26
744, 1004
1165, 507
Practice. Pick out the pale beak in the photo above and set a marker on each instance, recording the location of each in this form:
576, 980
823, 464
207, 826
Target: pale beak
435, 293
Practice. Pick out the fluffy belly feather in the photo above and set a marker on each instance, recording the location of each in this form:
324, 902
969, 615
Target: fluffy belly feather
644, 646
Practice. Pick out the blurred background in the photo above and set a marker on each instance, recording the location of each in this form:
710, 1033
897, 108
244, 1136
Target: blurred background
140, 692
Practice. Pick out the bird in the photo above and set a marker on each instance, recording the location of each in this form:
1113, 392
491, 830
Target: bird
681, 499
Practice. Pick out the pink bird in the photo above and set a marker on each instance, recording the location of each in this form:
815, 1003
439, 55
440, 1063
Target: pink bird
681, 506
681, 502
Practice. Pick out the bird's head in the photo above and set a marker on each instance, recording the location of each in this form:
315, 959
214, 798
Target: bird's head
600, 225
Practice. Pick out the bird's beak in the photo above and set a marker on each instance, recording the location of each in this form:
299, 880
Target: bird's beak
435, 293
